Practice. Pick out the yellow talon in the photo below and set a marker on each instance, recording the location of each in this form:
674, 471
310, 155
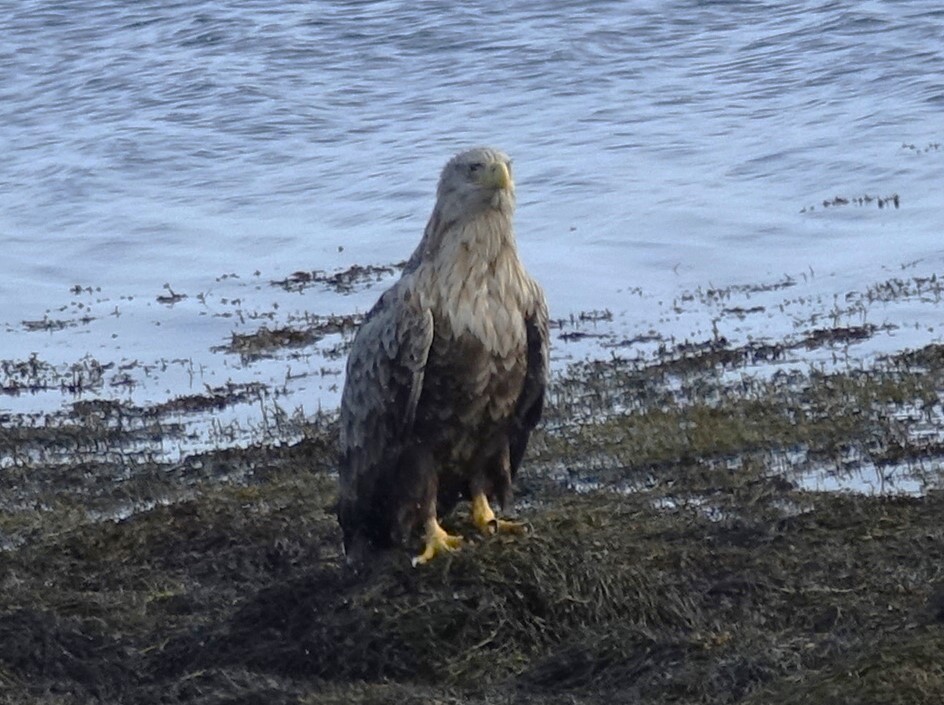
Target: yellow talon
485, 520
437, 541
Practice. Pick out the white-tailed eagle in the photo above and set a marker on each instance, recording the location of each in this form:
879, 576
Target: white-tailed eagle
446, 376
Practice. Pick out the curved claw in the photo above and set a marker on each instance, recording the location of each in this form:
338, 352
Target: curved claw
501, 526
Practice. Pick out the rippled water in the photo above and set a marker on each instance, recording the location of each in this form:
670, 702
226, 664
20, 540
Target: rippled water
660, 147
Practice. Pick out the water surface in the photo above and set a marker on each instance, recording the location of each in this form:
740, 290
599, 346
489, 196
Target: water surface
662, 150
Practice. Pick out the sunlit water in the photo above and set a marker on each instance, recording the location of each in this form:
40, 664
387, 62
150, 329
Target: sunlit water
662, 149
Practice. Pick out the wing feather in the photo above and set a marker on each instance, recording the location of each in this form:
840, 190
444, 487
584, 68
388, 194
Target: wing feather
384, 380
530, 404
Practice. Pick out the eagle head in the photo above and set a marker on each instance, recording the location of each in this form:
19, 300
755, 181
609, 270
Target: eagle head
476, 181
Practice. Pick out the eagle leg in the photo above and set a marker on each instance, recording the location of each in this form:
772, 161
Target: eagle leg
485, 520
437, 541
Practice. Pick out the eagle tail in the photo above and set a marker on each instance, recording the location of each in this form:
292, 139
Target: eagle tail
388, 513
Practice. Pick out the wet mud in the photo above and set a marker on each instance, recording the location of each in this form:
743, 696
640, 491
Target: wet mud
678, 551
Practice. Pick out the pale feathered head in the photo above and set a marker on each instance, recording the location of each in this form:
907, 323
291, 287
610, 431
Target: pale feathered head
475, 186
474, 181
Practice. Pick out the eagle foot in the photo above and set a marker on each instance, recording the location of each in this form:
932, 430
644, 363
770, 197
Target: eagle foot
437, 542
488, 524
502, 526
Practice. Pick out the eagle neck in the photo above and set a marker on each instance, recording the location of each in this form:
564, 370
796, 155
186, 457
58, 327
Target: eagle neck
477, 285
486, 238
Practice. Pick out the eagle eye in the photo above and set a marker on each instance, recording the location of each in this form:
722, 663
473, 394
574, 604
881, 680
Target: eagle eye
476, 167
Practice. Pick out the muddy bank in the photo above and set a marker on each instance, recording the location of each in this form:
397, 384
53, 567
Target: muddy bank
678, 554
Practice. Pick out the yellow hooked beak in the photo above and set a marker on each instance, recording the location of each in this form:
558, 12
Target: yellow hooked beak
495, 175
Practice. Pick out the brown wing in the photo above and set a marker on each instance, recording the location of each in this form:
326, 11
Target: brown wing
385, 372
530, 403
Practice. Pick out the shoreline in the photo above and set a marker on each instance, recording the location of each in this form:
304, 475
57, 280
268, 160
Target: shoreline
678, 550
